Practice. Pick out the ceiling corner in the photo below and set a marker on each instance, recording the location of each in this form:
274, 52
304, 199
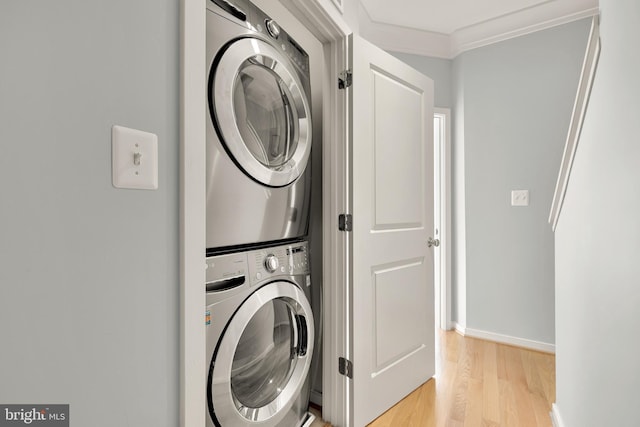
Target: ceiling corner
402, 39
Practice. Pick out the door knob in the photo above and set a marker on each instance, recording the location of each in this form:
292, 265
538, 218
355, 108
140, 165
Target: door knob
432, 242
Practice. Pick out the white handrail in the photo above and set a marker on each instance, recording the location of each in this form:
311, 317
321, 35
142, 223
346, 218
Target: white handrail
577, 118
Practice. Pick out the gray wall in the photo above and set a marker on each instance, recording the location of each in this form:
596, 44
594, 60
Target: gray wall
598, 241
517, 102
438, 69
89, 280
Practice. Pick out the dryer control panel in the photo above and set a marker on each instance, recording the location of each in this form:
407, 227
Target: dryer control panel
249, 16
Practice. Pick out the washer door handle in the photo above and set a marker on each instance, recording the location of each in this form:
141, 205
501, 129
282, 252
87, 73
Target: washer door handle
225, 284
301, 323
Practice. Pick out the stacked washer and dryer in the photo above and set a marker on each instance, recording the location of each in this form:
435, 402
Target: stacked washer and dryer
260, 328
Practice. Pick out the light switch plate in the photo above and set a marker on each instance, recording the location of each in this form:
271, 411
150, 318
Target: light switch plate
134, 158
520, 198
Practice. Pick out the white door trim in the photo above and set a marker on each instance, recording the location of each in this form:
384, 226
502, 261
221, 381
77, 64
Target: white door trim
444, 287
325, 22
192, 212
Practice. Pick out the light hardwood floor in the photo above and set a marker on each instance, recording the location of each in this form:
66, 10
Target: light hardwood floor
479, 384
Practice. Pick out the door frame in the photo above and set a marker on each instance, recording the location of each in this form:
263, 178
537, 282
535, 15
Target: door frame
193, 111
443, 288
324, 20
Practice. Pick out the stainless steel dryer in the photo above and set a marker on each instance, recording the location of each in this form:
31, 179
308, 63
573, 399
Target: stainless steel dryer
259, 129
260, 337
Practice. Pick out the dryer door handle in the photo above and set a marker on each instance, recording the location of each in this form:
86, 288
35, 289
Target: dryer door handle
303, 335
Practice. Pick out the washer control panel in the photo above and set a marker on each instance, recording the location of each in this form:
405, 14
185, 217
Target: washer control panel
284, 260
241, 269
226, 272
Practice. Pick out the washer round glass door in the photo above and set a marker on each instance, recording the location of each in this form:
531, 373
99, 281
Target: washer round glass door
263, 357
261, 111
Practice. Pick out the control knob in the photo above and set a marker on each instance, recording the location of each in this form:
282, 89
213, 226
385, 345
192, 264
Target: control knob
271, 263
272, 28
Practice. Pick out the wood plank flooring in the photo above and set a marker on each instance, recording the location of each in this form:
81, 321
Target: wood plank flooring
479, 384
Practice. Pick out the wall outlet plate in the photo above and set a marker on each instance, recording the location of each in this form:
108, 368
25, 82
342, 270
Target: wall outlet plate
134, 158
520, 198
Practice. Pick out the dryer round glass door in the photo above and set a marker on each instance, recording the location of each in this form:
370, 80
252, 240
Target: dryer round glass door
261, 111
263, 357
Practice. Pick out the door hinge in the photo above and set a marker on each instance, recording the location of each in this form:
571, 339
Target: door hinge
345, 222
345, 79
345, 367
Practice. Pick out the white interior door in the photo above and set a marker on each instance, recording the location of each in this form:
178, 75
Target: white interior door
392, 329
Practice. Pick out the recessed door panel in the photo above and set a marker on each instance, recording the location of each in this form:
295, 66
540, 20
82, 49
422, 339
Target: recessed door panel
399, 310
397, 137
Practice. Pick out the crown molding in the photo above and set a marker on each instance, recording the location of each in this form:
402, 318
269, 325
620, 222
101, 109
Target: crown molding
403, 39
510, 27
426, 43
406, 40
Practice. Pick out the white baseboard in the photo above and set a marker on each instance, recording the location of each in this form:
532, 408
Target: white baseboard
450, 325
459, 328
506, 339
556, 419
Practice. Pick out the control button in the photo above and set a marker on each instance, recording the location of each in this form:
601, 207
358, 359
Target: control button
271, 263
258, 276
272, 28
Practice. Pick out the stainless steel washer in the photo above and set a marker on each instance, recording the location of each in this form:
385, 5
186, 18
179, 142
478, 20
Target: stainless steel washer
258, 132
260, 337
